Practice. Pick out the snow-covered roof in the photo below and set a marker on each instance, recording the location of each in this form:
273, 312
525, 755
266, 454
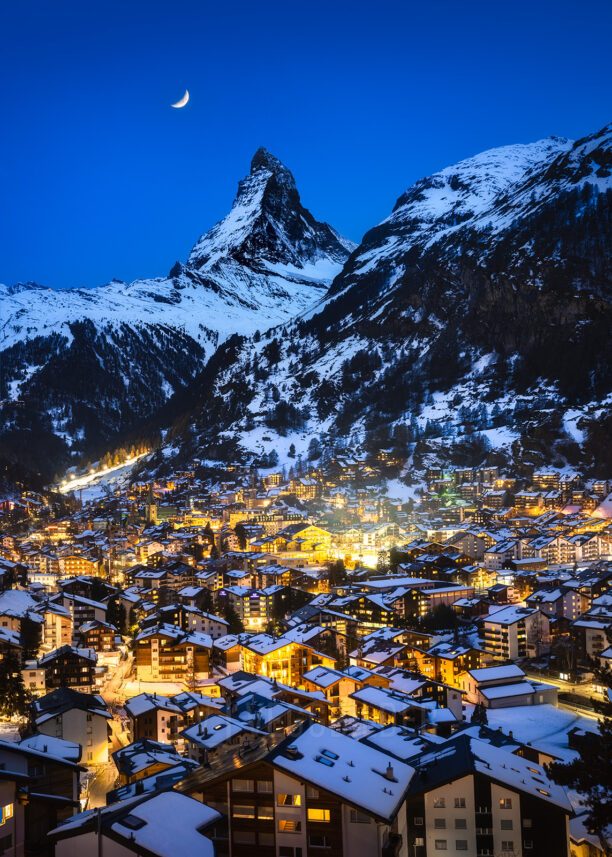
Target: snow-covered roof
500, 691
166, 824
360, 775
145, 702
217, 729
517, 773
18, 604
500, 673
509, 615
391, 701
399, 741
53, 747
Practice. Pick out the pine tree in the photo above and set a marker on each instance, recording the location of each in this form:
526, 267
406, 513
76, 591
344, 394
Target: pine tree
31, 633
14, 699
314, 449
241, 535
479, 715
235, 625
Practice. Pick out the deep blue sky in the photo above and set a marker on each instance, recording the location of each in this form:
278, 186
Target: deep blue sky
100, 178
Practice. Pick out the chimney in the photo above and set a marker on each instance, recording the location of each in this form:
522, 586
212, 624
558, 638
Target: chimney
389, 775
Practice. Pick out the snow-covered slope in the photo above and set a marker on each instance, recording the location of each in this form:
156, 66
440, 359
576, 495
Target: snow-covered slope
265, 262
95, 361
481, 305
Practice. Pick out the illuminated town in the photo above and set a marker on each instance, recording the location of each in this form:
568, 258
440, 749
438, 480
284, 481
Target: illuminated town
182, 638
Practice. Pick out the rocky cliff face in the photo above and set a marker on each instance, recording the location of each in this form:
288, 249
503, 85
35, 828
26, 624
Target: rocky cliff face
82, 366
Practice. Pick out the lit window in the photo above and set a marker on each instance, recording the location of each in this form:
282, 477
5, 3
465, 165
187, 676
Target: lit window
319, 815
439, 803
286, 825
243, 811
289, 800
265, 813
505, 803
7, 812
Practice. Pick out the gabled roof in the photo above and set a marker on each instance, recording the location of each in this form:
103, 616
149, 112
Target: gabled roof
158, 825
140, 755
463, 755
361, 776
217, 729
65, 699
65, 651
145, 702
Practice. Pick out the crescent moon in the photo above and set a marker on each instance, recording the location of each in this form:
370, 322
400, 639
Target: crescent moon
183, 101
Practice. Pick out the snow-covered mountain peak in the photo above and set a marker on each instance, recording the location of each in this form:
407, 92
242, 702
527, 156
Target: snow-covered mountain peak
94, 361
269, 227
265, 160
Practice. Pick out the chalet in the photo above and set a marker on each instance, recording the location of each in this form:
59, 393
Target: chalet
144, 758
515, 632
281, 658
504, 687
39, 788
383, 648
446, 661
167, 653
298, 795
153, 716
82, 609
57, 627
590, 635
19, 609
305, 702
255, 607
77, 717
470, 796
81, 563
211, 740
69, 667
563, 601
99, 636
337, 687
